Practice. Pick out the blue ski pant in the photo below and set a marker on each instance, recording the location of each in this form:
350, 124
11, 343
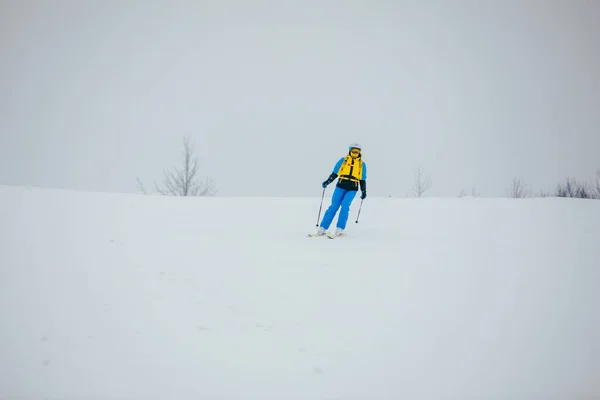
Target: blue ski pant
341, 198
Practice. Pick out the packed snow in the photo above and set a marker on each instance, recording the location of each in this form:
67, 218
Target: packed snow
125, 296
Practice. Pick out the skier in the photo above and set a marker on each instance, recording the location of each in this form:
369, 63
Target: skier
352, 173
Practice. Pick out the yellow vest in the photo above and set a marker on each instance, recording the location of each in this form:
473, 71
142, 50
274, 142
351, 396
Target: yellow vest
351, 169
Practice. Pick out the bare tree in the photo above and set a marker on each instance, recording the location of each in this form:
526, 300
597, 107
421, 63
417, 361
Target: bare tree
184, 181
518, 190
597, 185
140, 185
573, 188
462, 193
421, 183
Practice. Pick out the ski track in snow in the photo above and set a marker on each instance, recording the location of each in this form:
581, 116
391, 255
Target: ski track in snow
118, 296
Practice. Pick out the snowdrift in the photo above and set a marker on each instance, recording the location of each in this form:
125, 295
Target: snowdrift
117, 296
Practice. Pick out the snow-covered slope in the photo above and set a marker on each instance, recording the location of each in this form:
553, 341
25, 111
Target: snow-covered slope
113, 296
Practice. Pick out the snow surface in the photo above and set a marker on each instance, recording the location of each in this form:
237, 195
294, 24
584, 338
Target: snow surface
118, 296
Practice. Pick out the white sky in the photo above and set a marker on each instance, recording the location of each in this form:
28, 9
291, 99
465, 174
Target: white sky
95, 93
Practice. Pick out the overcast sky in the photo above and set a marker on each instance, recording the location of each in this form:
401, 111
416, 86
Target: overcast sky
95, 93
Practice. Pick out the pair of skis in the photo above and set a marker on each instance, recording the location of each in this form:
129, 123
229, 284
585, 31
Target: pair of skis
327, 235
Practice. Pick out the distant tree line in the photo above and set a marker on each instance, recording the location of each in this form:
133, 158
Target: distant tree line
519, 189
185, 180
570, 187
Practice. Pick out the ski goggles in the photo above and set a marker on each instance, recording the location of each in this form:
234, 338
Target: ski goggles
355, 151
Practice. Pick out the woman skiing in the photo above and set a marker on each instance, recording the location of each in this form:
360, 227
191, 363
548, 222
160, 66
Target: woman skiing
351, 172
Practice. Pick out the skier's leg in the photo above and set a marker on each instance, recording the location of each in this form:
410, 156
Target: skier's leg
336, 201
345, 211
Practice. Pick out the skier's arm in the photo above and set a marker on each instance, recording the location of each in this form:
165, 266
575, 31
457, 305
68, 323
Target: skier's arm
329, 180
363, 185
337, 166
363, 182
334, 173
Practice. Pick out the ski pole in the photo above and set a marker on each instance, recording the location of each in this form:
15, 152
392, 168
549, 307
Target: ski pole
359, 208
320, 207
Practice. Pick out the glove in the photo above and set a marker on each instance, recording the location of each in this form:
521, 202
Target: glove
363, 195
